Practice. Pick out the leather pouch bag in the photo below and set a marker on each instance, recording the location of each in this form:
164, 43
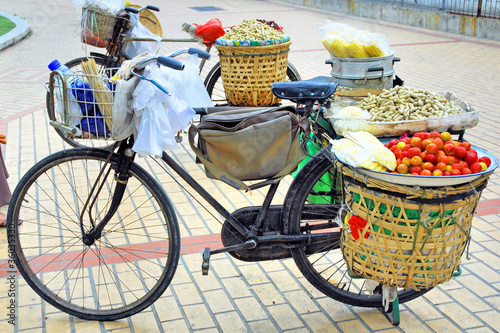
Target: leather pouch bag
248, 144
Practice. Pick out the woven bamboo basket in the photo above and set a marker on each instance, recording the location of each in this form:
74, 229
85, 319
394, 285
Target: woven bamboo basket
248, 71
414, 236
97, 27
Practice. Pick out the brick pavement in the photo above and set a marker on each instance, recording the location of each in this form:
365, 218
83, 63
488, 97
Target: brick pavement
265, 296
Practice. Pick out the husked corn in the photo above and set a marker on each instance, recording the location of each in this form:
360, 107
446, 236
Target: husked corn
356, 50
374, 51
339, 48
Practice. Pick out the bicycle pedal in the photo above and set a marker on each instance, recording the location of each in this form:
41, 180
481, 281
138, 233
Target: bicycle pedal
205, 266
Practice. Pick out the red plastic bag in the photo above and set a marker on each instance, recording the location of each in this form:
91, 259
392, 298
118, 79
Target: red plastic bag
209, 31
357, 224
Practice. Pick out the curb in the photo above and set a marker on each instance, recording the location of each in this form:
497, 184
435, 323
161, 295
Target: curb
15, 35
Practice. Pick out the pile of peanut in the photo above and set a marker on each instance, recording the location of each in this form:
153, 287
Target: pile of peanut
403, 103
253, 30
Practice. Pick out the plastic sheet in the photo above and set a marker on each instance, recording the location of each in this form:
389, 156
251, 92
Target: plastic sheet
158, 116
122, 108
139, 30
188, 83
110, 7
344, 41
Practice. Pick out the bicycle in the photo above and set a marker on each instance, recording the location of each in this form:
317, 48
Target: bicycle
115, 56
109, 239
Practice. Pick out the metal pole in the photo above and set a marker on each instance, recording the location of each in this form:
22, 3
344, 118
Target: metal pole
479, 7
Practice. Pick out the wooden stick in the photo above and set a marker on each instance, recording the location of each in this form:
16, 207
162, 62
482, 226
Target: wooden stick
102, 94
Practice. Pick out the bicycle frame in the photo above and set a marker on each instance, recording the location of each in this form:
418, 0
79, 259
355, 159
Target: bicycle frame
251, 235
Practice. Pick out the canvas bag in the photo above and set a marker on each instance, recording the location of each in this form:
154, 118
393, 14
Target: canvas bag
248, 144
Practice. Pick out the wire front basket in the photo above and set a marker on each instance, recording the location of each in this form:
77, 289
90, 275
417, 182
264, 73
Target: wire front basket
82, 104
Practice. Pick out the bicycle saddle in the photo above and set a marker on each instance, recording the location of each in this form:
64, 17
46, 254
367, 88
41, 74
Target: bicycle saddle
319, 88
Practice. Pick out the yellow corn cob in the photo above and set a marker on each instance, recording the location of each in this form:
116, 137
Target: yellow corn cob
372, 165
363, 137
374, 51
327, 45
357, 50
339, 48
379, 153
384, 156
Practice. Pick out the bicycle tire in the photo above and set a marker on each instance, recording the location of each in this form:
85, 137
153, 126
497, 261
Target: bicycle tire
124, 271
75, 65
213, 82
326, 270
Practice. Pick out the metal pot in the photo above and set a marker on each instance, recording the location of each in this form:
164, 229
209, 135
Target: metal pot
381, 82
375, 72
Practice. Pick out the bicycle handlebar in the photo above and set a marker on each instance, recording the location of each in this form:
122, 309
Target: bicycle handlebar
150, 7
162, 60
130, 10
201, 54
170, 62
135, 11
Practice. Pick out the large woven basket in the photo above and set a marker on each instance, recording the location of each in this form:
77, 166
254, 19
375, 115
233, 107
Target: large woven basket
414, 236
248, 71
97, 27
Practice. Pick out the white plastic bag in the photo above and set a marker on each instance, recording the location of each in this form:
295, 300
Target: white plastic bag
350, 112
139, 30
73, 113
161, 115
107, 6
343, 41
188, 83
122, 108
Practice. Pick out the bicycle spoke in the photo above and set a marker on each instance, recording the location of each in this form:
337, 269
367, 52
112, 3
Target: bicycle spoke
131, 261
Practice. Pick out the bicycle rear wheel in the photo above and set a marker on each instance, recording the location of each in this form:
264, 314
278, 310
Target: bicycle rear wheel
126, 269
324, 266
76, 66
215, 88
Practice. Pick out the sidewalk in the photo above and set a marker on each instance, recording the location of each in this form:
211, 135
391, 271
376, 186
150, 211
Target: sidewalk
20, 31
272, 296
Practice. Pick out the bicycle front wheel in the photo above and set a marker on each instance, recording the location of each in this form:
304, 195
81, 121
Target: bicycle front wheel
126, 269
215, 88
323, 264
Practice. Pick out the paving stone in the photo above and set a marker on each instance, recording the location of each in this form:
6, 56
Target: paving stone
262, 326
301, 302
491, 318
187, 294
237, 287
218, 301
319, 323
459, 315
285, 317
352, 326
269, 296
176, 326
198, 316
231, 322
250, 309
443, 325
336, 310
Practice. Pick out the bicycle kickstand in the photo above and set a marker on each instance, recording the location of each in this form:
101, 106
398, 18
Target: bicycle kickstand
393, 313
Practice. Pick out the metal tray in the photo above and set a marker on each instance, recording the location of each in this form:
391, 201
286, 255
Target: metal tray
467, 119
432, 181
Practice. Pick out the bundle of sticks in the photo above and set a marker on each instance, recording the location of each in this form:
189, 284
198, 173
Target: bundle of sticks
103, 96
